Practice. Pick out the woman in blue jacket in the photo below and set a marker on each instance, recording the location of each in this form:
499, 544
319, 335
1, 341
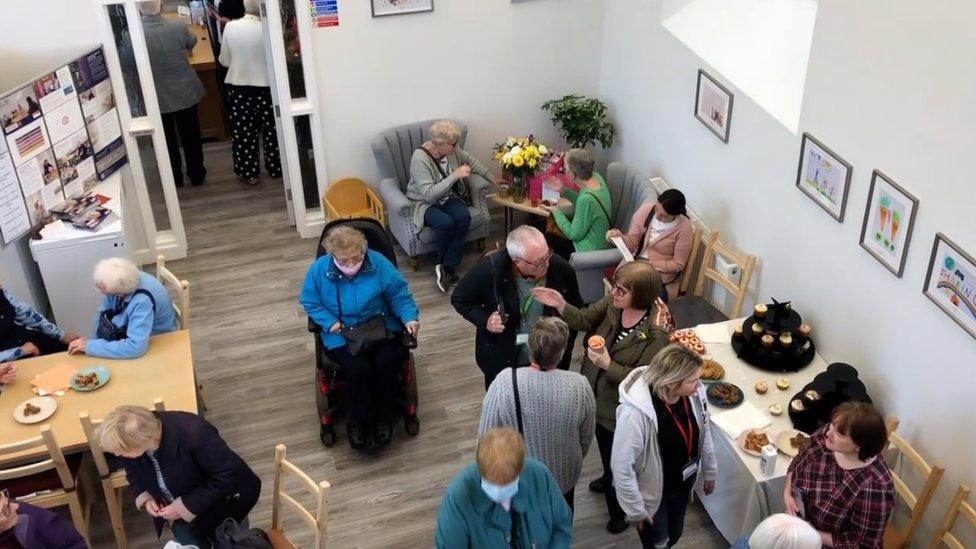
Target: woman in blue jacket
345, 289
135, 306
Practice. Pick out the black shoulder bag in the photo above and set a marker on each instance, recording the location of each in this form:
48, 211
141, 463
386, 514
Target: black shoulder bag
109, 331
460, 187
518, 401
364, 336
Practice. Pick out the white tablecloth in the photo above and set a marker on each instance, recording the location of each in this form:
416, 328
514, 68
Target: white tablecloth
743, 497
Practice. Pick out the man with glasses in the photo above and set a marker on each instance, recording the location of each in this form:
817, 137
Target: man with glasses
30, 527
496, 296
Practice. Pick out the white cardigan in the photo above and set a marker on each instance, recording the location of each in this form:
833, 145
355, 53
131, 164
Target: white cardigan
242, 52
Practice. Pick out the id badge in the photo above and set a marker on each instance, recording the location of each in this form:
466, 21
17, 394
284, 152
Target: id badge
522, 339
689, 470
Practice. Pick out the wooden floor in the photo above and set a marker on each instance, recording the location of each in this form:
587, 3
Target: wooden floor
254, 357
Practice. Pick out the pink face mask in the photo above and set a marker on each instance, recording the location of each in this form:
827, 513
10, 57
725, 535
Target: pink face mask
351, 269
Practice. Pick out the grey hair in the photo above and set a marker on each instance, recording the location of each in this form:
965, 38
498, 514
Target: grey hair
252, 7
547, 341
117, 275
128, 429
670, 367
519, 237
444, 132
782, 531
580, 162
151, 7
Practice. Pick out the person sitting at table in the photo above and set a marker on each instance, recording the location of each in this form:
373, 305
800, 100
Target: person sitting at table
24, 332
504, 499
555, 408
180, 470
625, 320
781, 531
349, 287
26, 526
441, 195
134, 307
840, 482
591, 207
661, 234
661, 444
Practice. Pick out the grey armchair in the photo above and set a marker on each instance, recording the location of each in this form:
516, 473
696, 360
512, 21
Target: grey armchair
392, 150
628, 190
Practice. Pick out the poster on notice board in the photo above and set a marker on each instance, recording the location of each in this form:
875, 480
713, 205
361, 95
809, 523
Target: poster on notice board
60, 136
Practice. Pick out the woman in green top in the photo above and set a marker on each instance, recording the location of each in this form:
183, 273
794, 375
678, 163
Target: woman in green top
591, 216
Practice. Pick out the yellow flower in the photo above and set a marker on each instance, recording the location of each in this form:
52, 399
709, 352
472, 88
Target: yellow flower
519, 161
532, 163
498, 155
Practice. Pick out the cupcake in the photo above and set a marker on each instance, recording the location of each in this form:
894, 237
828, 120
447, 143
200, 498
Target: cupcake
804, 330
811, 395
762, 387
757, 329
596, 342
760, 310
738, 330
797, 405
775, 409
786, 339
783, 383
767, 340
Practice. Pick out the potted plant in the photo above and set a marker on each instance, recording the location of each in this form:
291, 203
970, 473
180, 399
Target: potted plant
519, 157
581, 121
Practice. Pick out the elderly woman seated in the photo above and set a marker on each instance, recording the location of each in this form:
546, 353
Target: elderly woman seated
134, 307
362, 302
592, 207
438, 188
180, 470
503, 500
25, 332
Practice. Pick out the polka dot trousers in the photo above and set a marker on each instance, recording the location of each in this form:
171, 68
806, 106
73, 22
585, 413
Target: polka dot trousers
253, 122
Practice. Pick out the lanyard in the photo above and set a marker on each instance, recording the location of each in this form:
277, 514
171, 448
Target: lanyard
527, 300
686, 437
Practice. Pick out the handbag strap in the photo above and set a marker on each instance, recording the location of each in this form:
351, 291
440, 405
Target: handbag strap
647, 225
339, 303
604, 208
518, 401
460, 186
123, 304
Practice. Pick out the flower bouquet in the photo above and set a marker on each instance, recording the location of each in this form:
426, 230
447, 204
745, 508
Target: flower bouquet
519, 157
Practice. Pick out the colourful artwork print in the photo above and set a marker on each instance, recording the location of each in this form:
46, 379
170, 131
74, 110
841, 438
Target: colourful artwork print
888, 219
951, 283
823, 177
891, 212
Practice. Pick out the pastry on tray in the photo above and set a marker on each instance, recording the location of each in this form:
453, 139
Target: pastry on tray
755, 440
712, 370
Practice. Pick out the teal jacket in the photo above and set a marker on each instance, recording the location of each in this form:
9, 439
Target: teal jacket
468, 519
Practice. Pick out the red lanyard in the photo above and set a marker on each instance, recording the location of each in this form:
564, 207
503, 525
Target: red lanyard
685, 436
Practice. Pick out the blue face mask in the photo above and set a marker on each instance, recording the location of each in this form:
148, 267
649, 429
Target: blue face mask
501, 493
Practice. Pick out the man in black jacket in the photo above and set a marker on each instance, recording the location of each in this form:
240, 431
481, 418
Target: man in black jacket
495, 296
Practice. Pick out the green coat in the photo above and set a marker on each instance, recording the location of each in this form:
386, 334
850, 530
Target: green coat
637, 349
589, 226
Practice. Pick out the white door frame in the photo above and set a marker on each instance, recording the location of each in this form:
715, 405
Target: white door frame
172, 242
309, 218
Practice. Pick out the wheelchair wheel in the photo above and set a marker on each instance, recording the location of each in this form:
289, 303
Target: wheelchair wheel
327, 434
412, 425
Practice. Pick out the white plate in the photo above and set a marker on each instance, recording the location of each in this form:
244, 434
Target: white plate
741, 441
783, 442
47, 405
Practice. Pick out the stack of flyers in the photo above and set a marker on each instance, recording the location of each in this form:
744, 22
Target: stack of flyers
74, 207
93, 218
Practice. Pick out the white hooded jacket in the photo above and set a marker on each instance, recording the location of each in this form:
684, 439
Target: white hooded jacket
636, 458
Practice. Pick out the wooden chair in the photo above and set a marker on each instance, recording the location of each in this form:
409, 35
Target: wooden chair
316, 522
692, 310
36, 484
895, 538
113, 482
349, 198
179, 288
959, 506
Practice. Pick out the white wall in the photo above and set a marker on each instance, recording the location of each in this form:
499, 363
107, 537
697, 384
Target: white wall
40, 34
488, 63
890, 87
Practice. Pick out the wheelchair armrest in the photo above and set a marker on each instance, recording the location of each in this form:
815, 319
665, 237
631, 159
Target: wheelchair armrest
313, 327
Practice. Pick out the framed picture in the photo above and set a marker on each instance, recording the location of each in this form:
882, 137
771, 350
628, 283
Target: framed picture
713, 105
951, 282
399, 7
823, 176
888, 220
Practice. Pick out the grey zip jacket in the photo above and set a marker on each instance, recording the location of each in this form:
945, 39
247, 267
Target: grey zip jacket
636, 458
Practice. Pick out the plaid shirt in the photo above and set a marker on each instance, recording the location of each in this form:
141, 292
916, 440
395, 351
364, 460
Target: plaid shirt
853, 506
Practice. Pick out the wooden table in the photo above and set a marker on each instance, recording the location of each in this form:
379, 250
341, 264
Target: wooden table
525, 206
165, 371
210, 110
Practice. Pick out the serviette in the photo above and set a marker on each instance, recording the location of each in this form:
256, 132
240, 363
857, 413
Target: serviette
56, 379
745, 416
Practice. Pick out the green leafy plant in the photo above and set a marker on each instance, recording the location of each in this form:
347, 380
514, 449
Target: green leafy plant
581, 121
